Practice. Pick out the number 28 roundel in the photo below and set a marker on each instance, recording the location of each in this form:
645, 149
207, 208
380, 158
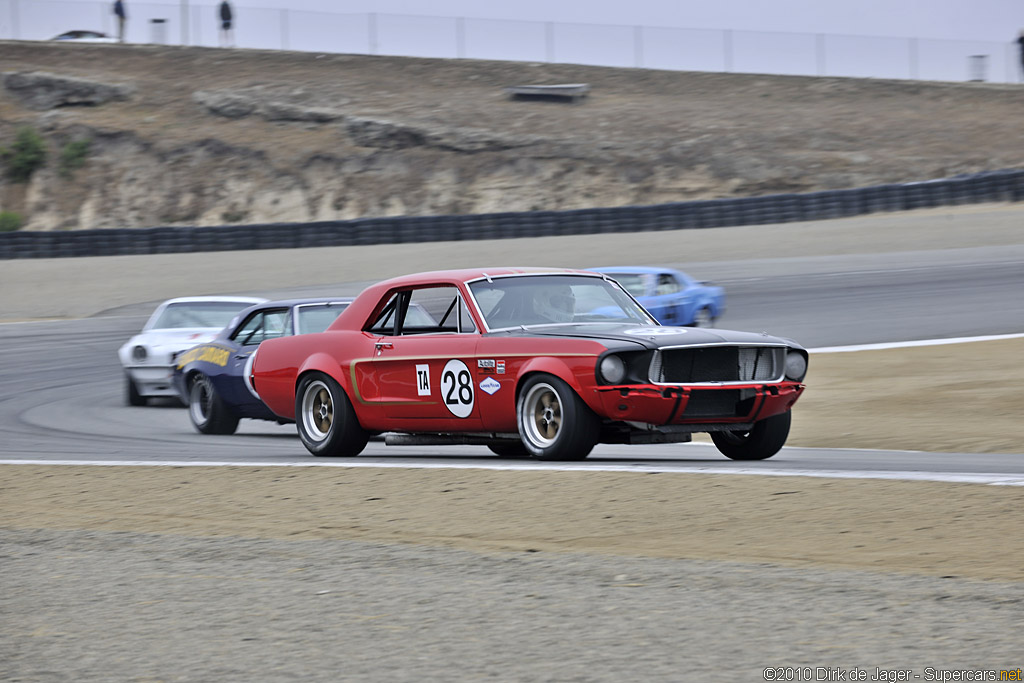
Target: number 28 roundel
457, 388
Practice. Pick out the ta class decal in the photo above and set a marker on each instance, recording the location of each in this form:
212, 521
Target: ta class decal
423, 380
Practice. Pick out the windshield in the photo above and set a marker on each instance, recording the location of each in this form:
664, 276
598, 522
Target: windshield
554, 299
635, 283
198, 314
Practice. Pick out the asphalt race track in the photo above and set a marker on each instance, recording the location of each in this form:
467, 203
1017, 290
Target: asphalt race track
64, 392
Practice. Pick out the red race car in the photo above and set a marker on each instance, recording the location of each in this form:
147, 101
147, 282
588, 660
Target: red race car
526, 361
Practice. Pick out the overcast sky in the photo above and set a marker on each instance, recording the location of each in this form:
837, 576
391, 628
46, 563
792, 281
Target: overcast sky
999, 20
990, 20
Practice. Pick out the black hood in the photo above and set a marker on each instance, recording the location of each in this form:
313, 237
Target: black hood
648, 336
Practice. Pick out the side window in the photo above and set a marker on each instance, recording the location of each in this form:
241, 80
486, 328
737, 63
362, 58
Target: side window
276, 324
262, 325
432, 309
385, 322
249, 328
427, 310
466, 323
666, 284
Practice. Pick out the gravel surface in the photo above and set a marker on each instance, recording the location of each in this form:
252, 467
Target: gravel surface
243, 574
105, 606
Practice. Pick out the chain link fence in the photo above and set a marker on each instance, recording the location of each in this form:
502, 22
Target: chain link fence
821, 54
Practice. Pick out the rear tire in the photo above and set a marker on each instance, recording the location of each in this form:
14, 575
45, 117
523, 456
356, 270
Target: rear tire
325, 419
509, 449
554, 423
763, 441
131, 393
206, 409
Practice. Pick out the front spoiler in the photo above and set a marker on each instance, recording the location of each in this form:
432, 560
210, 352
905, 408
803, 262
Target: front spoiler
670, 407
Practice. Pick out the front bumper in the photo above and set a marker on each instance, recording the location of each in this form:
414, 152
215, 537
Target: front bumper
701, 406
153, 380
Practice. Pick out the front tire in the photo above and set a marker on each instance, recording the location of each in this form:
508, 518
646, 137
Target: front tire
763, 441
325, 419
206, 409
554, 423
703, 318
131, 393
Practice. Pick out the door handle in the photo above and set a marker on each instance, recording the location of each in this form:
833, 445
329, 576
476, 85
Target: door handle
383, 345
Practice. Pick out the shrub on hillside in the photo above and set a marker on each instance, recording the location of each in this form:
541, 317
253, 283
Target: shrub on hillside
25, 156
10, 221
72, 157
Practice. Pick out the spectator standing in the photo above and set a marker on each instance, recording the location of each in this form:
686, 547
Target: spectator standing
1020, 45
226, 17
122, 16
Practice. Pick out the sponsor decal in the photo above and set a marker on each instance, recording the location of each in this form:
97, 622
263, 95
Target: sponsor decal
423, 380
457, 388
490, 385
486, 367
501, 367
206, 354
655, 331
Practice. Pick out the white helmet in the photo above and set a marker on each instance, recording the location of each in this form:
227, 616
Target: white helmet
557, 304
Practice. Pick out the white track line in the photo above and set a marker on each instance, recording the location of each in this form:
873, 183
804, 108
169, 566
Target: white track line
911, 344
949, 477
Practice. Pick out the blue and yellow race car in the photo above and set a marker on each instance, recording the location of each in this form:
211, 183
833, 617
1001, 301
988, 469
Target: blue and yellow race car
212, 379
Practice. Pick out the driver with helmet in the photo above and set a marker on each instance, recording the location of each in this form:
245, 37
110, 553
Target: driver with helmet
555, 304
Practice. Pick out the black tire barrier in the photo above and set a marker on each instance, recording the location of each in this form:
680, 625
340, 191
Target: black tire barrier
990, 186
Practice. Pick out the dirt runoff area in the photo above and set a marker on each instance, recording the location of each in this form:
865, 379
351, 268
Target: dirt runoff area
951, 530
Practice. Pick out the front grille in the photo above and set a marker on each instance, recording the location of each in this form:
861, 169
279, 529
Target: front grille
717, 364
717, 403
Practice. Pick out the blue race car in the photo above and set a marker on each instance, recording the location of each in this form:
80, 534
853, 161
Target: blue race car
671, 296
213, 378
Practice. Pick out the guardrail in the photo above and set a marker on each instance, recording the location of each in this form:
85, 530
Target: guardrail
993, 186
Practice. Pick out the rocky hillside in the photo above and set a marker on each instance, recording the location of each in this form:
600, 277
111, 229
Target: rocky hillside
199, 136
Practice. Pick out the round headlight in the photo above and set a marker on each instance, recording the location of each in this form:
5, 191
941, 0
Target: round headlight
613, 370
139, 354
796, 365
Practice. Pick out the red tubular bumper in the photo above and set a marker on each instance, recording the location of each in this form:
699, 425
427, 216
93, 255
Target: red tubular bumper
681, 405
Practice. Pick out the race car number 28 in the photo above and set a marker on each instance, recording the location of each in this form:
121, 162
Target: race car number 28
457, 388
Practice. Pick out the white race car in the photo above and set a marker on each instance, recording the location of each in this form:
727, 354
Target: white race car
85, 37
175, 326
